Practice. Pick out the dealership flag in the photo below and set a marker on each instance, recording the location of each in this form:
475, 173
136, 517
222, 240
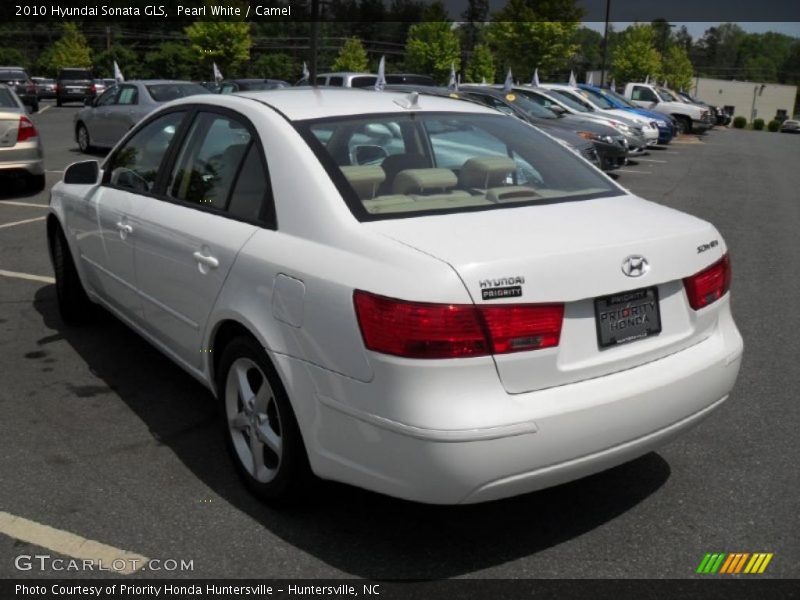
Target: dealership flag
117, 73
509, 82
590, 78
306, 74
483, 80
572, 82
613, 85
452, 85
217, 74
647, 79
380, 83
535, 81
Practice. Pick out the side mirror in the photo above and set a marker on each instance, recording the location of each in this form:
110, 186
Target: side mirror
559, 110
86, 172
369, 155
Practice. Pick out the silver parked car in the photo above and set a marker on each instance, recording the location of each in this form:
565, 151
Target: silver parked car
20, 145
109, 116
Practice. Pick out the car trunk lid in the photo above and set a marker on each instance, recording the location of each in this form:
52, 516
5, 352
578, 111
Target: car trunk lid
573, 253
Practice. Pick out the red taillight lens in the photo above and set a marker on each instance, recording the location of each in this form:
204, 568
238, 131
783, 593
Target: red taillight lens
56, 87
26, 129
93, 89
710, 284
426, 330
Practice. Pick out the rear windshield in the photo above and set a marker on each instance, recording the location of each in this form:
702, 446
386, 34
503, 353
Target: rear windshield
6, 99
666, 96
75, 74
401, 165
9, 74
164, 92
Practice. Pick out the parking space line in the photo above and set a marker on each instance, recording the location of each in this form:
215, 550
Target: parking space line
631, 171
650, 160
16, 275
15, 223
69, 544
54, 171
45, 109
17, 203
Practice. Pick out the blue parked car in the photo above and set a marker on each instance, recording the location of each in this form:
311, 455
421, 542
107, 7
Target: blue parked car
606, 98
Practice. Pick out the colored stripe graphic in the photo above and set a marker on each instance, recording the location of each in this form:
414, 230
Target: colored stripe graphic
734, 563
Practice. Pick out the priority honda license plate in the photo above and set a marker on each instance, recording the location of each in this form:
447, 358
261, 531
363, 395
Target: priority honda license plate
627, 317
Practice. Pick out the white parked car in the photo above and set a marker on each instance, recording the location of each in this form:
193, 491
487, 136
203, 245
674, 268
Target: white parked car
415, 295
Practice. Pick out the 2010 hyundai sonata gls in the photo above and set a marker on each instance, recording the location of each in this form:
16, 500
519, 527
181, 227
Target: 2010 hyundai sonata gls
415, 295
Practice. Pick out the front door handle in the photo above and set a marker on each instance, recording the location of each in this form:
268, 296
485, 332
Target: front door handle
205, 262
124, 229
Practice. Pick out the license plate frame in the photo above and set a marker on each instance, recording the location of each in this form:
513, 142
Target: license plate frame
627, 317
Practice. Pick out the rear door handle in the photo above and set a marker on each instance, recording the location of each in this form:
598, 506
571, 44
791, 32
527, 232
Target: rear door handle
205, 260
124, 229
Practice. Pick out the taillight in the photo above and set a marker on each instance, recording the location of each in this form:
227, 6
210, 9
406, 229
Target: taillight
710, 284
93, 89
427, 330
26, 129
56, 87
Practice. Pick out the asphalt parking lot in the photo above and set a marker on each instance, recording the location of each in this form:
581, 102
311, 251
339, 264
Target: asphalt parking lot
106, 439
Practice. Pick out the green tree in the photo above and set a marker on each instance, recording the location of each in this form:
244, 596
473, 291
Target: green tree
226, 43
11, 56
635, 56
481, 65
276, 65
352, 56
71, 50
174, 60
677, 68
590, 49
432, 48
128, 61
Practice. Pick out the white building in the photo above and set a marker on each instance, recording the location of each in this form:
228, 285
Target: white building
748, 99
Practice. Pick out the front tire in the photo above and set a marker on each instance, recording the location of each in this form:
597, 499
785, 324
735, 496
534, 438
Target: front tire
261, 430
82, 135
73, 303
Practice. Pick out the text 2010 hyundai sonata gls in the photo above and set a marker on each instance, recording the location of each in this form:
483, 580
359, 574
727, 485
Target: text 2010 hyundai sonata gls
415, 295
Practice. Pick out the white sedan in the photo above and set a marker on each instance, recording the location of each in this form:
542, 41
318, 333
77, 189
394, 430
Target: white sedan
415, 295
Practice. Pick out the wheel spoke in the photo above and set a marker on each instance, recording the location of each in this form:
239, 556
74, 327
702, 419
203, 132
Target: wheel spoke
245, 391
257, 450
262, 398
240, 421
267, 436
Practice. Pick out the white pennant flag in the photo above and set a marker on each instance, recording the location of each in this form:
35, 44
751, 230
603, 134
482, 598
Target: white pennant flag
647, 79
117, 73
613, 85
380, 83
535, 81
217, 73
452, 85
483, 80
509, 84
590, 78
572, 82
665, 83
306, 73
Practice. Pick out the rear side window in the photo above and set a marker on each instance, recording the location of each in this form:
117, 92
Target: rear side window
7, 100
251, 187
164, 92
209, 161
109, 97
336, 80
128, 95
12, 75
363, 81
135, 165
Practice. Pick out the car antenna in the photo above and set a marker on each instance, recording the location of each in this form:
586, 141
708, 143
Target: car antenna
410, 102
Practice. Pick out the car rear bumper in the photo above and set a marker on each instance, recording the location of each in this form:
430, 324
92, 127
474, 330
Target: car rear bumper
560, 434
26, 157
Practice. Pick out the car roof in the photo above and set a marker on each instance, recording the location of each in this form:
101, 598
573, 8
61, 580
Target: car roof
298, 104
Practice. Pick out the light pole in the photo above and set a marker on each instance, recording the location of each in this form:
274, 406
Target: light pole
605, 46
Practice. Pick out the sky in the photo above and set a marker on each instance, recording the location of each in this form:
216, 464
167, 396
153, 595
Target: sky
696, 29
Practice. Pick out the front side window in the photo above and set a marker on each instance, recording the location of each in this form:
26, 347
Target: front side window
643, 94
424, 163
666, 96
135, 165
164, 92
209, 160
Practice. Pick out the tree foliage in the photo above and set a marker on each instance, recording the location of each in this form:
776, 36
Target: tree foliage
352, 56
677, 68
481, 65
127, 59
226, 43
635, 57
432, 48
71, 50
174, 60
276, 65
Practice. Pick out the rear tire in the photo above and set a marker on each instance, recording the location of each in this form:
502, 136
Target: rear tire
36, 183
73, 303
82, 136
35, 107
58, 102
259, 425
